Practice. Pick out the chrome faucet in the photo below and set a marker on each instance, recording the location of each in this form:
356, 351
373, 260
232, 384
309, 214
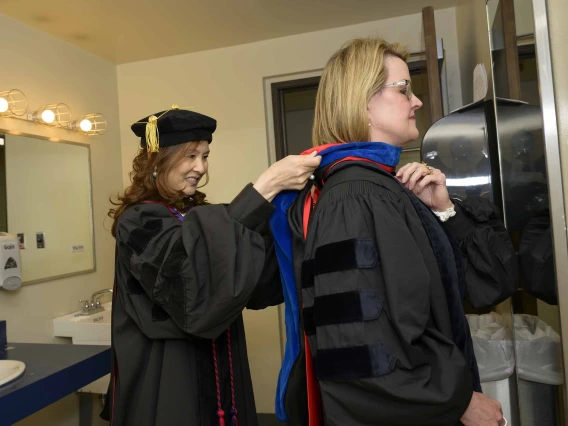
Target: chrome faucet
93, 305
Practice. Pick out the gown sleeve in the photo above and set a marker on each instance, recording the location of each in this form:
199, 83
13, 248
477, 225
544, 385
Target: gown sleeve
268, 291
491, 268
380, 358
194, 276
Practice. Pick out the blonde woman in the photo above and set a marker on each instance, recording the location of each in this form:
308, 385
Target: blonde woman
381, 262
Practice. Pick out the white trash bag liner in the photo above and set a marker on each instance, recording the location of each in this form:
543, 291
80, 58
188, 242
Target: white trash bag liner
539, 353
493, 346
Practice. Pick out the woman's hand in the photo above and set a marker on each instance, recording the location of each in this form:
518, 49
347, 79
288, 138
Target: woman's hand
483, 411
427, 183
292, 172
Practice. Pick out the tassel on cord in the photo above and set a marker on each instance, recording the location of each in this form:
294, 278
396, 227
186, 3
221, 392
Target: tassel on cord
220, 412
152, 136
221, 415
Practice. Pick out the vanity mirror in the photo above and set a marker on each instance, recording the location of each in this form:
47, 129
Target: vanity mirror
45, 200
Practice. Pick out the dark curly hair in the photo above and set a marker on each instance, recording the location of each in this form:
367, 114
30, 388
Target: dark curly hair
147, 187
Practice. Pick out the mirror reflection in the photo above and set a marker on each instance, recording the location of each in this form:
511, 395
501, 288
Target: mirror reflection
524, 175
47, 205
494, 148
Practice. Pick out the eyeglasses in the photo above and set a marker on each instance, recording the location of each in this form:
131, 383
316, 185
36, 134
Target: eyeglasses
405, 83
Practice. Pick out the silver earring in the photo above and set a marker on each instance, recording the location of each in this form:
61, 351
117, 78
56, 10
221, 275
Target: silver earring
155, 172
369, 124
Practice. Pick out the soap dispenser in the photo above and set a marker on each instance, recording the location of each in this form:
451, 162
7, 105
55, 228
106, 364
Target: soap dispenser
10, 267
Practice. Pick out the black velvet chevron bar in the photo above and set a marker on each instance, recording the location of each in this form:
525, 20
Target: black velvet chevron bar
355, 362
340, 308
356, 253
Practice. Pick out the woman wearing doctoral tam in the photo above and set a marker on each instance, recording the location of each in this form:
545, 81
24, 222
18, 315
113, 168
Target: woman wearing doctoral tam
185, 270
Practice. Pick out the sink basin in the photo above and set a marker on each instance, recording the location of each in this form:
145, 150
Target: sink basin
87, 330
10, 371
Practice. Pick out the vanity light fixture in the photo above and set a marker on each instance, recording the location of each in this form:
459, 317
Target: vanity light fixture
13, 103
58, 115
90, 124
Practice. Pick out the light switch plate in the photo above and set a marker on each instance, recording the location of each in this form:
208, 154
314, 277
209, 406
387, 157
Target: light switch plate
40, 240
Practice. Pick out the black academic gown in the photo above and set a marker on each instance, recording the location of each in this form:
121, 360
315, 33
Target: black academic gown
178, 286
375, 309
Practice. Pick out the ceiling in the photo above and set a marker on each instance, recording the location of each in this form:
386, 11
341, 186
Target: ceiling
124, 31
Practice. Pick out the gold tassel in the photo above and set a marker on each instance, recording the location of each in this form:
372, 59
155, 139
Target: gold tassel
152, 136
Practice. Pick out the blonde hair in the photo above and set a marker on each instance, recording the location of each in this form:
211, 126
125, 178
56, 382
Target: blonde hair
350, 79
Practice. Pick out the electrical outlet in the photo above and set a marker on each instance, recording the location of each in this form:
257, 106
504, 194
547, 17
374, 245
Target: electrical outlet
40, 239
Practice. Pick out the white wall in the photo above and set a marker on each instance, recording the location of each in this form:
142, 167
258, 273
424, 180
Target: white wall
228, 85
49, 70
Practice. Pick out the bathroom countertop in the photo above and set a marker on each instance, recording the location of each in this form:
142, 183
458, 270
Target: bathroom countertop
52, 372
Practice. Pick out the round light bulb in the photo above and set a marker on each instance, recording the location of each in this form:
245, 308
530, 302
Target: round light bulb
3, 105
47, 116
86, 125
